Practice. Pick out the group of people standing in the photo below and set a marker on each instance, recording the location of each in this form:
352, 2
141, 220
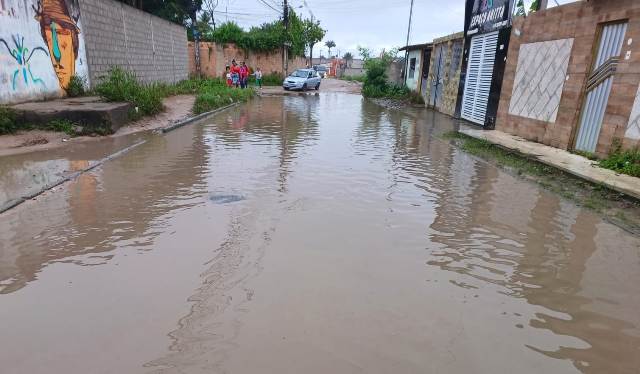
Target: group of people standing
238, 75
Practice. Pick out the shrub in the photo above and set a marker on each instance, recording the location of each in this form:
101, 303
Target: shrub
375, 81
273, 79
8, 123
59, 125
76, 86
213, 97
623, 161
416, 98
121, 85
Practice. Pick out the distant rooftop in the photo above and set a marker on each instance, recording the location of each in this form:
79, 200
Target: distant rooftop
417, 46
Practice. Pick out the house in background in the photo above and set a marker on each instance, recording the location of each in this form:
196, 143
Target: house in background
352, 68
441, 91
417, 66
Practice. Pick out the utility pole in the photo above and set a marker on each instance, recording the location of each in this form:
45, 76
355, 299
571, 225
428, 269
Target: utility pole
285, 48
196, 36
406, 54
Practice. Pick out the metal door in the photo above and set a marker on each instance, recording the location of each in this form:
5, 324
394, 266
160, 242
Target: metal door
599, 86
482, 55
438, 75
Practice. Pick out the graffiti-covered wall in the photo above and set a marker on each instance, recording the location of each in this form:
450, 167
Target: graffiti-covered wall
41, 48
43, 43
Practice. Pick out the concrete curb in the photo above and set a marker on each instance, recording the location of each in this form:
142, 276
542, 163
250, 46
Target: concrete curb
15, 202
196, 118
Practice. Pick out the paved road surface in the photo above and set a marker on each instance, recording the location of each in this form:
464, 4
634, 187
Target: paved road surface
317, 234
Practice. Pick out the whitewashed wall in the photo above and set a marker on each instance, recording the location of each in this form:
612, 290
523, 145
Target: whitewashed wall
412, 82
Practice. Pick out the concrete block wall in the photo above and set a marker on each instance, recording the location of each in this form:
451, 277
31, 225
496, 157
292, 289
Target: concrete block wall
579, 21
215, 57
119, 35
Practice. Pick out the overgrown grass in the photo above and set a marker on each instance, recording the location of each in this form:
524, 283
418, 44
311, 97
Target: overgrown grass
146, 99
76, 86
623, 161
60, 125
353, 78
487, 150
272, 79
211, 97
121, 85
8, 124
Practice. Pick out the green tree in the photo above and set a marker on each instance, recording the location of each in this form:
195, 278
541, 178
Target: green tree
348, 58
535, 6
364, 52
520, 11
330, 44
183, 12
266, 37
375, 81
296, 35
313, 33
204, 27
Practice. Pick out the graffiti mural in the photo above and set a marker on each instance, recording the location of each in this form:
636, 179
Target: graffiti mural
61, 33
22, 56
41, 48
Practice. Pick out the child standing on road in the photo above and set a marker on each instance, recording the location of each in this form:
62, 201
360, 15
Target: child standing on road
258, 75
228, 77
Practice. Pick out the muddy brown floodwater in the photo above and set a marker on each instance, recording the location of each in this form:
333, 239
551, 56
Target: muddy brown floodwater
318, 234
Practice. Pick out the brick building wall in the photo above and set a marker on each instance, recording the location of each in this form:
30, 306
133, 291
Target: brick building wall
555, 49
454, 45
119, 35
215, 57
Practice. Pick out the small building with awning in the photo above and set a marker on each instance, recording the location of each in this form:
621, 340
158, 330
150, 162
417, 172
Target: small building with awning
416, 70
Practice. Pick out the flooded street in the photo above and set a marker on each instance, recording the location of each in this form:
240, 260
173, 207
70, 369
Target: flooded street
316, 234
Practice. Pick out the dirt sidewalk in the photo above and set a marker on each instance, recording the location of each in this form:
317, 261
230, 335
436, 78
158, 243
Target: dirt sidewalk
177, 108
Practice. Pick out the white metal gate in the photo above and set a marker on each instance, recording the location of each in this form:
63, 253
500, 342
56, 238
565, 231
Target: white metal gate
599, 86
482, 55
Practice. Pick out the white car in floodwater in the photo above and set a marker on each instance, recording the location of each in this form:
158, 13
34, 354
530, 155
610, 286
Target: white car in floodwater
302, 79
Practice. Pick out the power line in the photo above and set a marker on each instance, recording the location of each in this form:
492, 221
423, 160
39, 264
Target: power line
270, 6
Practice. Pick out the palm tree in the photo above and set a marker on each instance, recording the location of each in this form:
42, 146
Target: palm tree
330, 44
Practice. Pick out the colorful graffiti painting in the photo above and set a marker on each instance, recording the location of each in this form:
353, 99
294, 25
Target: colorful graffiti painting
41, 48
61, 33
22, 55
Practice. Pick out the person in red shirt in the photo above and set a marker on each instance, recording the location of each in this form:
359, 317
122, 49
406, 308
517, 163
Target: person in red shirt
235, 73
244, 75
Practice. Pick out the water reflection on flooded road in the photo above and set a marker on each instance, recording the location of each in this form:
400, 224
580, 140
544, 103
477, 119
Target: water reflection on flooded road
318, 234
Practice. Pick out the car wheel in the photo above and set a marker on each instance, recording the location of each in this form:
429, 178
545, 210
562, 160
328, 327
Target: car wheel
317, 86
304, 87
286, 88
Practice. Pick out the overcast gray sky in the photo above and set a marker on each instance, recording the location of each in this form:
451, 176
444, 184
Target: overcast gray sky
376, 24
